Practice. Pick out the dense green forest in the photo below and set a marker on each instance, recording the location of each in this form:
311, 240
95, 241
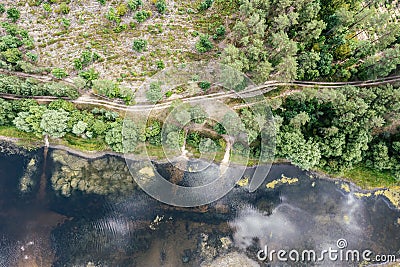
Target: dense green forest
335, 130
315, 40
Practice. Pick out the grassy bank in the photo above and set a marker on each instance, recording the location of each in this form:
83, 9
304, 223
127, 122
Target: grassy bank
360, 175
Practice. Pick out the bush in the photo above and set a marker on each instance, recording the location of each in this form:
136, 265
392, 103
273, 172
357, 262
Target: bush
89, 75
2, 8
59, 73
139, 45
64, 8
102, 2
12, 55
219, 32
122, 10
134, 4
47, 7
154, 94
161, 6
204, 85
13, 14
204, 44
206, 4
160, 64
142, 15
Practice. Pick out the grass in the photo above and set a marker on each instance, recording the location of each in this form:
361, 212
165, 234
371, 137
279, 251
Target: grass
13, 132
368, 178
92, 144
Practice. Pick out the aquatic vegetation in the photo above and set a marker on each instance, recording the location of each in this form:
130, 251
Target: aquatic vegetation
283, 180
243, 182
26, 181
345, 187
393, 195
103, 176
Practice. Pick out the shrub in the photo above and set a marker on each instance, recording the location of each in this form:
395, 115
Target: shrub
160, 64
12, 55
219, 32
154, 94
59, 73
134, 4
206, 4
13, 14
32, 57
47, 7
89, 75
142, 15
139, 45
204, 44
122, 10
2, 8
66, 22
161, 6
102, 2
64, 8
204, 85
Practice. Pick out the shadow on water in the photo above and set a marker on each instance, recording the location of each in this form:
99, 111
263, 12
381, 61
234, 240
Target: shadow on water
45, 228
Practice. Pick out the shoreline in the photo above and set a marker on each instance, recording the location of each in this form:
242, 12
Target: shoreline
91, 155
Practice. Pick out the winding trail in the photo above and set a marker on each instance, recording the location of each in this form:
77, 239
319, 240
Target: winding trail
92, 99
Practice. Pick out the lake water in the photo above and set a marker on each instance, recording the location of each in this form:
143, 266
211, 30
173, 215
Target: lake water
43, 222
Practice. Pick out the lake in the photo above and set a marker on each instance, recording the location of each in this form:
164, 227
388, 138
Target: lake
90, 212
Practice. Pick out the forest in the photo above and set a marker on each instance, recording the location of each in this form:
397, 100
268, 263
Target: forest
334, 130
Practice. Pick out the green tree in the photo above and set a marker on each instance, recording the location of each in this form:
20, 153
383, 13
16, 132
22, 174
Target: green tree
207, 146
134, 4
173, 140
139, 45
113, 137
12, 55
59, 73
79, 128
130, 136
161, 6
204, 44
13, 14
54, 123
154, 93
6, 112
303, 153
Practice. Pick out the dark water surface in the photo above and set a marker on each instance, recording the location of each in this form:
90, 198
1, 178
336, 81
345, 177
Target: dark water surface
132, 229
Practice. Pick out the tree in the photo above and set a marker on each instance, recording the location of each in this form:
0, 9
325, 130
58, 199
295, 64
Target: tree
54, 123
204, 44
303, 153
205, 4
13, 14
6, 112
12, 55
173, 140
183, 117
89, 75
2, 8
154, 93
142, 15
79, 128
207, 146
134, 4
113, 137
130, 136
59, 73
139, 45
161, 6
